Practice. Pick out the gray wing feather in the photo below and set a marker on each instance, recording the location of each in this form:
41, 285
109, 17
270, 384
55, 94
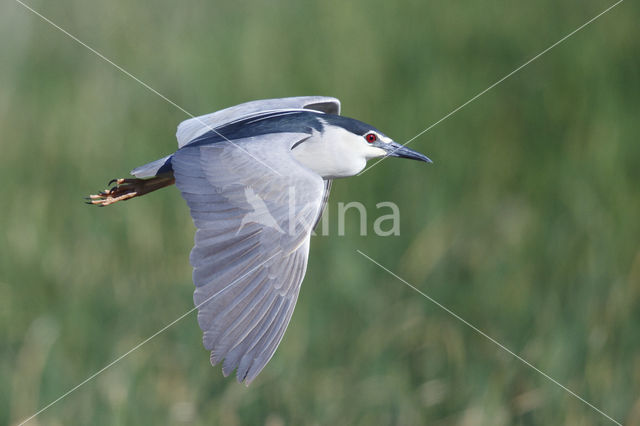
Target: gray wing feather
251, 245
325, 200
194, 127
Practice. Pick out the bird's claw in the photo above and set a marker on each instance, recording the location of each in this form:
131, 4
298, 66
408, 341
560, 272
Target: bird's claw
124, 189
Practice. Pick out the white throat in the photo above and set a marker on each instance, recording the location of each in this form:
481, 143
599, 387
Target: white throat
335, 153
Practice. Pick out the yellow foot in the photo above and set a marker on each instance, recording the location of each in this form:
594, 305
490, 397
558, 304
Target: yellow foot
124, 189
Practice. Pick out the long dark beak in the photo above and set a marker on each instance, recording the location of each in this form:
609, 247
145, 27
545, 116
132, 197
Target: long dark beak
394, 149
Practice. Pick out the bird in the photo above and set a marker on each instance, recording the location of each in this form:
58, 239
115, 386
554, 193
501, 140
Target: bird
256, 178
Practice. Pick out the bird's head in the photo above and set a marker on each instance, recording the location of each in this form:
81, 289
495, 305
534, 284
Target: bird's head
362, 140
369, 141
342, 146
376, 144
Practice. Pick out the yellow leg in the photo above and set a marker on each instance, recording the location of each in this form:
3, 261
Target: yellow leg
125, 189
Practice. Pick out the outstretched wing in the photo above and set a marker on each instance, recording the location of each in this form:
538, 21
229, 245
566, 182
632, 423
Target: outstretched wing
254, 220
194, 127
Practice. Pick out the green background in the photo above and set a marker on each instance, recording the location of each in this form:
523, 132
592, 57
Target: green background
527, 224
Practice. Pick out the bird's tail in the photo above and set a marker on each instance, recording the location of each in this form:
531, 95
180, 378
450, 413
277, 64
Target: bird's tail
126, 189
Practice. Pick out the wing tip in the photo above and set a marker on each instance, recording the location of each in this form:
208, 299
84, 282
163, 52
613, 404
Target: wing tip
242, 377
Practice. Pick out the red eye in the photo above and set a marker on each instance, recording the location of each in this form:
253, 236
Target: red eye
371, 137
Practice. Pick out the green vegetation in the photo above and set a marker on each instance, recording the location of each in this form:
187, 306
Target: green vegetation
527, 225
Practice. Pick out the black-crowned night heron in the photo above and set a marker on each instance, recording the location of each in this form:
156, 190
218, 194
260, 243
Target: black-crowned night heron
256, 177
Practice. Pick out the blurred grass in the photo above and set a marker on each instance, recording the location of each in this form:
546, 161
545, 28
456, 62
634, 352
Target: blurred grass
526, 225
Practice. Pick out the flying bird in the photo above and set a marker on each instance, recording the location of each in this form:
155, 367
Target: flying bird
256, 177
